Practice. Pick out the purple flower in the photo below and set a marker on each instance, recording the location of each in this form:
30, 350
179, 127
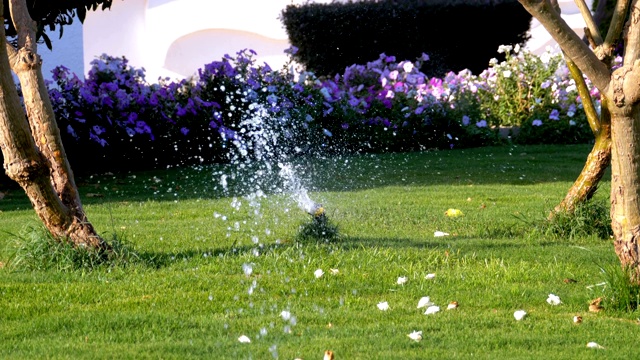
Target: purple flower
536, 122
481, 123
71, 131
555, 115
184, 131
98, 129
465, 120
292, 50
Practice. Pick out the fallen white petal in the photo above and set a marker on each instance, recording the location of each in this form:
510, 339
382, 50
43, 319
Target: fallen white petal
440, 234
553, 299
415, 335
384, 306
402, 280
432, 310
452, 305
594, 345
318, 273
424, 302
334, 271
286, 315
244, 339
430, 276
520, 314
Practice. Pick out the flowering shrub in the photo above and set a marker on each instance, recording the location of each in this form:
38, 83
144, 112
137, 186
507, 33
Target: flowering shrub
116, 117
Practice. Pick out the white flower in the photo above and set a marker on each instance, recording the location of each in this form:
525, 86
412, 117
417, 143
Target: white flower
506, 73
407, 66
594, 345
553, 299
384, 306
430, 276
432, 310
504, 48
247, 269
415, 335
424, 302
402, 280
440, 234
244, 339
520, 314
285, 315
318, 273
516, 49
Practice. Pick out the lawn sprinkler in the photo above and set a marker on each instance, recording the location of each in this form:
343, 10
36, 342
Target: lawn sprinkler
317, 212
319, 228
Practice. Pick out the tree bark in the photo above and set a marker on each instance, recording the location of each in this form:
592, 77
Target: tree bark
33, 153
598, 159
625, 188
587, 182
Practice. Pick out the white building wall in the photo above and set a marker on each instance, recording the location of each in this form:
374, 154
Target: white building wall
173, 38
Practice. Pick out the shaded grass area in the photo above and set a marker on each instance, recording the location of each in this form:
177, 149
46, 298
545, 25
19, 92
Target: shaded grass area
191, 294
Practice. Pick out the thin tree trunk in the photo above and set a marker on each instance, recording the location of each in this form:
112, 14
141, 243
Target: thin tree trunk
587, 182
599, 158
33, 152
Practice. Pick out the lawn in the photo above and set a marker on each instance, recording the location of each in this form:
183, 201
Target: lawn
211, 265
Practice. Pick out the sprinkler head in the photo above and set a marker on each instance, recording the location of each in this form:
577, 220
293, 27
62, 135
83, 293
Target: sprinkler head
317, 212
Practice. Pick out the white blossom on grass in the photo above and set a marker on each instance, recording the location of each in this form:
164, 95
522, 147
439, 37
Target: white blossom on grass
318, 273
402, 280
519, 314
424, 302
553, 299
415, 336
285, 315
384, 306
432, 310
244, 339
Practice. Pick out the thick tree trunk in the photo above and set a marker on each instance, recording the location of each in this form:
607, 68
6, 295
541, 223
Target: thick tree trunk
40, 166
625, 188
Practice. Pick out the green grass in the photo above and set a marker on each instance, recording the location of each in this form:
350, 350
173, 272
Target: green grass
186, 294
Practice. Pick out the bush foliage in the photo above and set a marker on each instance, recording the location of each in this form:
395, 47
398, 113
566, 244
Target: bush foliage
333, 36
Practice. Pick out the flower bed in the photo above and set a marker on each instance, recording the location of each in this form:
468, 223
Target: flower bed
114, 119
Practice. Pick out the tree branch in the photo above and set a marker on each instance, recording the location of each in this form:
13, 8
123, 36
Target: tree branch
588, 20
569, 42
617, 23
632, 36
25, 26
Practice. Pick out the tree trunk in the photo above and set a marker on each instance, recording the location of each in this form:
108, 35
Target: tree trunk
600, 156
625, 187
587, 182
33, 153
